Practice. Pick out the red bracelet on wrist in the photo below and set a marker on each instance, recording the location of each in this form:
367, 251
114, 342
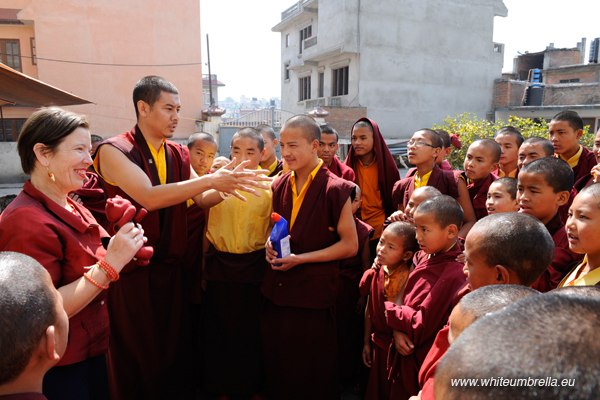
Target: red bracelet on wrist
109, 270
93, 282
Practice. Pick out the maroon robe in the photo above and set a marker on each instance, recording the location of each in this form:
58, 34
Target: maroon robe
563, 261
429, 296
444, 181
341, 170
387, 169
446, 166
147, 354
587, 161
277, 169
373, 284
478, 193
298, 324
438, 349
349, 319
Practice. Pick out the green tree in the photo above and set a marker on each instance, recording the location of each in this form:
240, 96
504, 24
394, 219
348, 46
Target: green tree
469, 128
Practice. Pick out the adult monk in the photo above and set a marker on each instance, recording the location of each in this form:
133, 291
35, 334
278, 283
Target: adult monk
328, 147
146, 307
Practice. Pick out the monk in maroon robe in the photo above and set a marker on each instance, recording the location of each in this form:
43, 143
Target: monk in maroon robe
298, 324
442, 180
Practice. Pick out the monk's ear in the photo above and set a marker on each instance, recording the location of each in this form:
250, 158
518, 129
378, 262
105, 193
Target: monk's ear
48, 346
502, 274
408, 255
436, 152
563, 197
452, 231
315, 145
42, 154
579, 133
143, 108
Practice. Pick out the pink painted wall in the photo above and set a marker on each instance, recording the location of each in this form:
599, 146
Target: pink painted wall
142, 35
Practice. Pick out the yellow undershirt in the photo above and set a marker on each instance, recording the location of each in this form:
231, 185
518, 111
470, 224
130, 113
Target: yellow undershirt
420, 182
298, 198
573, 161
273, 166
511, 174
574, 279
160, 160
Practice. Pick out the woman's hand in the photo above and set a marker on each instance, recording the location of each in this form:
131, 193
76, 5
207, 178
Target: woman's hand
124, 245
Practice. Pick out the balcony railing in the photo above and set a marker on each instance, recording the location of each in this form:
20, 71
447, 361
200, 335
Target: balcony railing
293, 10
309, 42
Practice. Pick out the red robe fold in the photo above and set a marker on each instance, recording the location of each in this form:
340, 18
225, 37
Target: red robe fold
147, 353
438, 349
429, 296
478, 194
444, 181
563, 261
386, 166
298, 324
373, 284
587, 161
341, 170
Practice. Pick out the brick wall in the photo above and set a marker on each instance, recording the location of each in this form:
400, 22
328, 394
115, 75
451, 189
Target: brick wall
560, 57
585, 73
342, 118
573, 94
508, 93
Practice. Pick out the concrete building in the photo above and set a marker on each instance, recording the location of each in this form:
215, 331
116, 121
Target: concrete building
566, 83
406, 64
98, 50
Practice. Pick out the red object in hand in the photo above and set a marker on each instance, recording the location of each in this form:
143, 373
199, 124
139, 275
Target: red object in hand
120, 211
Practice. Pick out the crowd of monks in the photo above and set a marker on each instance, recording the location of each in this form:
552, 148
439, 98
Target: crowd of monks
384, 273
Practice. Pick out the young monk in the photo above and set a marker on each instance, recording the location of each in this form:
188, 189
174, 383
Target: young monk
269, 159
594, 174
429, 292
348, 320
534, 148
418, 196
328, 147
448, 144
481, 160
219, 163
565, 130
234, 269
298, 324
506, 248
376, 173
544, 185
385, 282
35, 326
584, 237
510, 139
423, 149
530, 369
202, 147
502, 196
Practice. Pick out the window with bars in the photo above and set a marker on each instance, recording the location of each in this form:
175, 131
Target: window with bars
304, 34
304, 88
339, 85
10, 53
10, 128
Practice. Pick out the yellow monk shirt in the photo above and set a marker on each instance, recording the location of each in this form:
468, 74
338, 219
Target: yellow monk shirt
576, 278
573, 161
372, 211
394, 281
239, 227
422, 181
298, 198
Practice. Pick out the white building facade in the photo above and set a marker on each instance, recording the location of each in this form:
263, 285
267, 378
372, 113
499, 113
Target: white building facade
409, 63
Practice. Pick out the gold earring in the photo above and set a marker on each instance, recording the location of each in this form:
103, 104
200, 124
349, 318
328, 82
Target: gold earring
51, 176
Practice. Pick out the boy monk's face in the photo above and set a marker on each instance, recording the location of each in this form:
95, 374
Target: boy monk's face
420, 149
270, 147
529, 152
564, 138
537, 198
202, 154
390, 249
479, 273
596, 148
432, 237
499, 200
328, 146
416, 198
246, 148
582, 225
297, 151
510, 149
479, 162
362, 141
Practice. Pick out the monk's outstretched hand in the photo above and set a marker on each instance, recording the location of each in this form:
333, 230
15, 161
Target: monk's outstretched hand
232, 178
